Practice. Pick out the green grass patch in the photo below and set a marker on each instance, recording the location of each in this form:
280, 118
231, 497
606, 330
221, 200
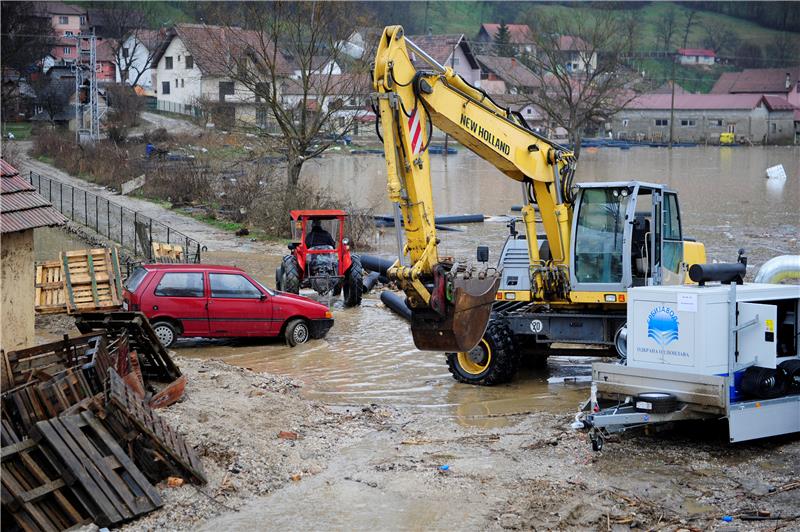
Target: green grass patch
21, 130
46, 159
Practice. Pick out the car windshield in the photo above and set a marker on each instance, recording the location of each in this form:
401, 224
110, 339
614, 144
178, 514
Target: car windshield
266, 289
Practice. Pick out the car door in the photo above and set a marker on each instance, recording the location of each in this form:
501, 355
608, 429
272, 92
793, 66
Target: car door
180, 296
237, 307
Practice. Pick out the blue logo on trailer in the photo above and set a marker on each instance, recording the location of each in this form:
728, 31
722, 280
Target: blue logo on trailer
662, 326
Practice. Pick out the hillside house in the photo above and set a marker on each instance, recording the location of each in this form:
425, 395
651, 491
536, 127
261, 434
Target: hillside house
362, 42
23, 210
514, 77
757, 118
451, 50
519, 36
696, 56
577, 56
137, 53
784, 82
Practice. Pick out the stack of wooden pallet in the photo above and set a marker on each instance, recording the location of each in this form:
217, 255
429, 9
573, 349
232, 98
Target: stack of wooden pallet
80, 439
85, 280
167, 252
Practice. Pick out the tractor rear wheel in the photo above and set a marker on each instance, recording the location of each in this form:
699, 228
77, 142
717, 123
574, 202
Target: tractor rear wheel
353, 283
493, 361
290, 280
278, 278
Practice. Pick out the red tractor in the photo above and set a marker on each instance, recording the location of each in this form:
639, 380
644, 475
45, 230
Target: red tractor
320, 257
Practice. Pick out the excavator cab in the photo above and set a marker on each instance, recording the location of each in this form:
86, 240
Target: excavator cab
625, 234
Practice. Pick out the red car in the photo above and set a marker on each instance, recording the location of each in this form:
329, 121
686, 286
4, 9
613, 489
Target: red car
220, 301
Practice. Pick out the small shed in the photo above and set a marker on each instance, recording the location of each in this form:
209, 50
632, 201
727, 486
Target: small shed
22, 211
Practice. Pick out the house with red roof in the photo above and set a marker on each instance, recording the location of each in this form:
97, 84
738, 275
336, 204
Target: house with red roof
783, 82
519, 36
452, 50
23, 211
696, 56
755, 118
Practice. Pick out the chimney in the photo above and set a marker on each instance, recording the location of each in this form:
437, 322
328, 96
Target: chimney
788, 84
514, 62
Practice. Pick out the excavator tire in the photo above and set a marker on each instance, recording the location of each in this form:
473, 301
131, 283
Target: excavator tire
493, 361
353, 283
290, 281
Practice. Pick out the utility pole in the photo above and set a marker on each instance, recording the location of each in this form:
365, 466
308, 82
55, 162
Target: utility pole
453, 66
672, 103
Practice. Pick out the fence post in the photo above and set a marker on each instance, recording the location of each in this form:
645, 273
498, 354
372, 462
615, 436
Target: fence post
61, 195
186, 250
72, 193
108, 218
96, 214
121, 227
85, 209
135, 239
149, 240
167, 234
50, 191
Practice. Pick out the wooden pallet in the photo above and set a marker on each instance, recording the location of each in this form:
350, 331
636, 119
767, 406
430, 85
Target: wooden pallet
50, 295
154, 359
38, 400
53, 357
34, 494
92, 280
115, 489
133, 411
167, 252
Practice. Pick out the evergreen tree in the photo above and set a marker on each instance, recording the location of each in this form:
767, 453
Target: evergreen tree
502, 41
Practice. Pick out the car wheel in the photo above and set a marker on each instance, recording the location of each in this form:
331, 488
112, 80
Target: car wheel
493, 361
290, 280
297, 332
165, 332
353, 283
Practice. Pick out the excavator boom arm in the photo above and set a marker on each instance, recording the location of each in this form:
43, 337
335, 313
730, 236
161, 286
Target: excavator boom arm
409, 102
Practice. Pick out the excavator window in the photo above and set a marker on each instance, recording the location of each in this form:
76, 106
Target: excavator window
599, 236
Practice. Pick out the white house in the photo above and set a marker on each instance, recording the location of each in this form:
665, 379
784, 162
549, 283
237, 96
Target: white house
696, 56
577, 55
136, 55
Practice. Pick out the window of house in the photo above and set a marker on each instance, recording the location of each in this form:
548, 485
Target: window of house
67, 50
455, 61
232, 286
125, 52
774, 127
178, 284
261, 91
176, 83
662, 121
687, 122
63, 20
716, 122
189, 62
261, 117
168, 63
225, 89
67, 34
83, 20
182, 83
624, 122
165, 87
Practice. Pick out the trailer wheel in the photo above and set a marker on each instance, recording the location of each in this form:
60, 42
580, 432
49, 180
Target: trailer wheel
656, 402
493, 361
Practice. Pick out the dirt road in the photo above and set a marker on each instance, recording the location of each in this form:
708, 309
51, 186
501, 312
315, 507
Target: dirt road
213, 238
172, 125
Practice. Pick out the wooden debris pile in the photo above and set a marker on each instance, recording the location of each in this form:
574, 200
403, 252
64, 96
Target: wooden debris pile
81, 441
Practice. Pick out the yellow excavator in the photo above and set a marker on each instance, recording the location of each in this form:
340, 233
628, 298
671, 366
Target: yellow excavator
600, 238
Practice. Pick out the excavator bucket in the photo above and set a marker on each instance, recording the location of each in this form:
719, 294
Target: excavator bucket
465, 320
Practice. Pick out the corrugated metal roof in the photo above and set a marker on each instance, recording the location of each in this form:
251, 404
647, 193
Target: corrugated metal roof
21, 207
757, 80
701, 52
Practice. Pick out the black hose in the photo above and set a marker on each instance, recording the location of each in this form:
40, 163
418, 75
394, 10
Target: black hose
376, 264
370, 281
396, 304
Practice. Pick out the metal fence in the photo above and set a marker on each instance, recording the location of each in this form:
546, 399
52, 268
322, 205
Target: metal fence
131, 230
177, 107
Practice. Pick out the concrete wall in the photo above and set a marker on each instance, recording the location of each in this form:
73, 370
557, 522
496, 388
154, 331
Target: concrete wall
758, 125
16, 285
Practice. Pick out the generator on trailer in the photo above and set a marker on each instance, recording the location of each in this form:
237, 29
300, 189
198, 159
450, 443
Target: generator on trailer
710, 351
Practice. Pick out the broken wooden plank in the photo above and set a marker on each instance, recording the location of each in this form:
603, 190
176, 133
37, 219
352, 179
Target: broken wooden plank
167, 441
92, 279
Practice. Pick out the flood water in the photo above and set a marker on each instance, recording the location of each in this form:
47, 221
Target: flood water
369, 357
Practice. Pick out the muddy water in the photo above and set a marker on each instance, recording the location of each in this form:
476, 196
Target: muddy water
369, 357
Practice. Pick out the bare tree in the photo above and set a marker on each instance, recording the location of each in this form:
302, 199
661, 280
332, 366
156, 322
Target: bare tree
589, 95
720, 38
26, 38
690, 22
285, 62
133, 46
53, 95
668, 25
783, 49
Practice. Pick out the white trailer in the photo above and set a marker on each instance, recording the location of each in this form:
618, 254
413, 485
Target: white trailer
688, 353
